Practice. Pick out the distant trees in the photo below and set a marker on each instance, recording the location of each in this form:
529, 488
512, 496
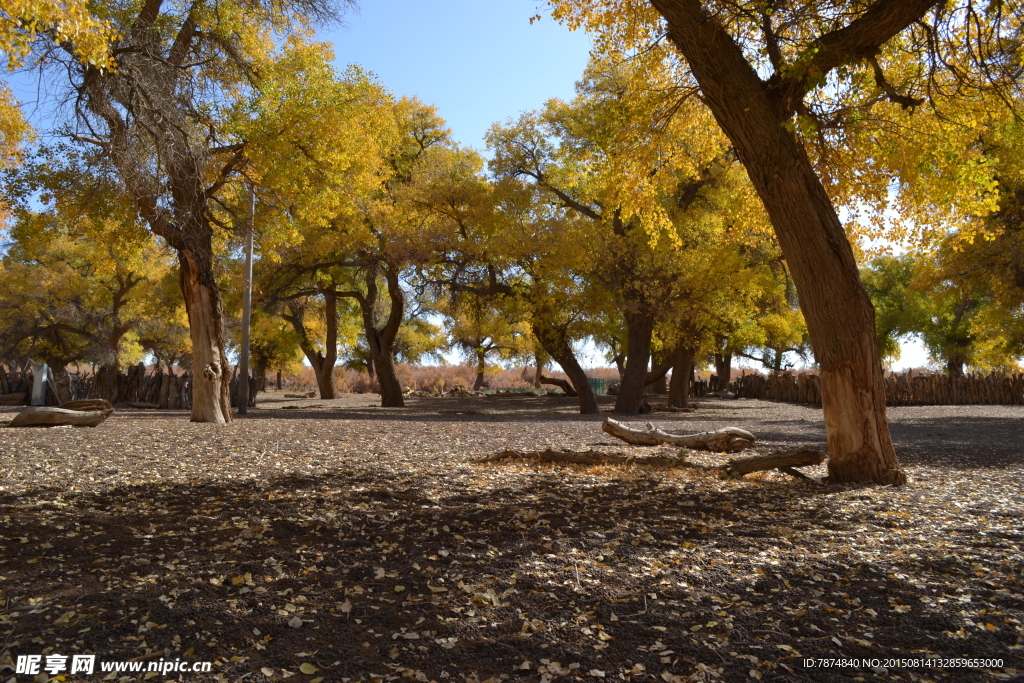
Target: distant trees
81, 276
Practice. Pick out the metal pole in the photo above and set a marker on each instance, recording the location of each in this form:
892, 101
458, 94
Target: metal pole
243, 366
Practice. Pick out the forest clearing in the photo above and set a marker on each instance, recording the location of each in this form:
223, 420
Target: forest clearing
364, 542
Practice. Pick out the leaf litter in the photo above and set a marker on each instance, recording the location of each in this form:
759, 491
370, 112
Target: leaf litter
356, 543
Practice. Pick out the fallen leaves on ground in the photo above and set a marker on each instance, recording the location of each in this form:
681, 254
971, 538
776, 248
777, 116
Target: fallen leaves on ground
359, 543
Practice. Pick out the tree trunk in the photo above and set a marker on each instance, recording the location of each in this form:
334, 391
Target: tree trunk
955, 365
540, 369
381, 340
620, 364
277, 383
40, 416
839, 315
480, 367
261, 374
682, 373
325, 376
322, 364
634, 379
387, 379
211, 382
556, 343
325, 381
723, 368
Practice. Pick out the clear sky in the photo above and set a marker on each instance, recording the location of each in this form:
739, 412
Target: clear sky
477, 61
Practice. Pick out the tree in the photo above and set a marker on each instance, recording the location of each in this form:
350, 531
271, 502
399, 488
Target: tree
825, 65
588, 156
159, 119
81, 269
507, 244
483, 328
338, 157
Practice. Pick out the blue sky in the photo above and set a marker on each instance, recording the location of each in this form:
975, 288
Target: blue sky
477, 61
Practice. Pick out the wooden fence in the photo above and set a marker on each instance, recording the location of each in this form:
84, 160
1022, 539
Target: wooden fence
905, 389
139, 385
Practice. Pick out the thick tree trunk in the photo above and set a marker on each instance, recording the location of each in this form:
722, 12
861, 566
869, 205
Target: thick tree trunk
634, 379
211, 379
277, 383
682, 373
387, 379
261, 374
325, 381
325, 376
839, 315
955, 366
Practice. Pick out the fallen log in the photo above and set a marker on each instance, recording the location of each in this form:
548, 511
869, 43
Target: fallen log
40, 416
17, 399
784, 461
309, 394
730, 439
88, 404
141, 405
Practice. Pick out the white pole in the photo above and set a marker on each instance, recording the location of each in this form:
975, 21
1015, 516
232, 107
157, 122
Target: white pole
243, 366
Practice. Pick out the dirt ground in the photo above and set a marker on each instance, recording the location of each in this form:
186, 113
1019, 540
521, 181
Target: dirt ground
340, 541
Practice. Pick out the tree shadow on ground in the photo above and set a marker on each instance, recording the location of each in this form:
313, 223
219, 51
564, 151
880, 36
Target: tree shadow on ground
614, 571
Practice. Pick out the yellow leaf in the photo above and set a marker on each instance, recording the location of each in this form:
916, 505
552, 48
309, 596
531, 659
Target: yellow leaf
308, 668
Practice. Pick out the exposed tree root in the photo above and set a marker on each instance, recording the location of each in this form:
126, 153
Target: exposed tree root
784, 461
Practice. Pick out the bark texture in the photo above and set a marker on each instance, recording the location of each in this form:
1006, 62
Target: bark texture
211, 382
840, 319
